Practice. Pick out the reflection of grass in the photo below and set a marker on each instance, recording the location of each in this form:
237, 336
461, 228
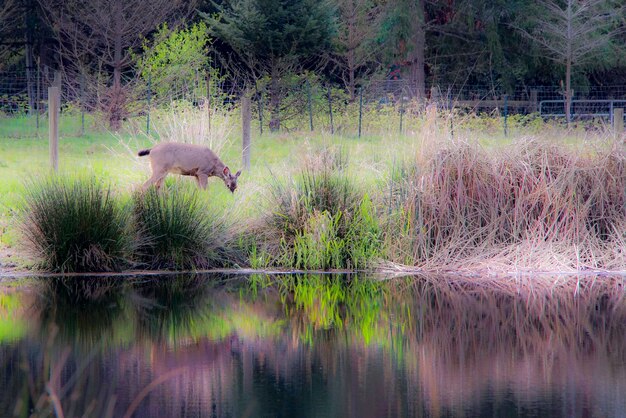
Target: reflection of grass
12, 328
196, 307
318, 303
87, 311
250, 324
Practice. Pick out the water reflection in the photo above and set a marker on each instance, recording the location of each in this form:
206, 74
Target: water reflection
307, 345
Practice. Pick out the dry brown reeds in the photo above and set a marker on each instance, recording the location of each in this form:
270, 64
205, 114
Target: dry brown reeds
531, 205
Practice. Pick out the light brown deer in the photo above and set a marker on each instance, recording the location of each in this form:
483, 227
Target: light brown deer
187, 160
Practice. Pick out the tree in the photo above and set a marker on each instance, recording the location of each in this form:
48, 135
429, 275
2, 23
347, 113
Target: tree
356, 45
174, 60
405, 28
96, 38
8, 15
573, 33
274, 37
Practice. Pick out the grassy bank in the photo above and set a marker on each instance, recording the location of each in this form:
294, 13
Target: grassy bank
431, 198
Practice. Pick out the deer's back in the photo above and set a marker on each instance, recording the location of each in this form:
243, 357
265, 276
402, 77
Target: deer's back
186, 157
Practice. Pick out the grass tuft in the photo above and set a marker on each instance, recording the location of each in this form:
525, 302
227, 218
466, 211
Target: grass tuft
321, 220
74, 224
176, 229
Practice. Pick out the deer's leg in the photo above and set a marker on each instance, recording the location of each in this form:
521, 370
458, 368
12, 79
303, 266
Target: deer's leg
202, 180
156, 179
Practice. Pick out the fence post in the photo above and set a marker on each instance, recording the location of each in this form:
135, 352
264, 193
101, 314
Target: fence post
308, 85
149, 97
260, 99
618, 121
506, 114
54, 104
82, 104
401, 111
534, 99
37, 102
246, 117
330, 112
360, 109
208, 97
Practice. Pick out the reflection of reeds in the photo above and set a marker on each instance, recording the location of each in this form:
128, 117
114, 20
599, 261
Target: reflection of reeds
84, 311
468, 337
435, 344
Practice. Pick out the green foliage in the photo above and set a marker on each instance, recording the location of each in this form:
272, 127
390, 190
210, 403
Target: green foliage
267, 32
176, 61
74, 224
322, 220
176, 230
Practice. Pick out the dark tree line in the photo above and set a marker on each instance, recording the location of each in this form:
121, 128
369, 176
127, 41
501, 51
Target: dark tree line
501, 43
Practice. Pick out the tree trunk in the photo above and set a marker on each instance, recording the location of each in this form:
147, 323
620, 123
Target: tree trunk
417, 76
275, 98
351, 58
30, 68
116, 97
568, 66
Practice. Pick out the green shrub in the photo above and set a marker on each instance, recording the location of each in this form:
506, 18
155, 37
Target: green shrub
74, 224
321, 220
176, 230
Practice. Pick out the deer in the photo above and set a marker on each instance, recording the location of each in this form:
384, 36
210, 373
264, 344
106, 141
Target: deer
188, 160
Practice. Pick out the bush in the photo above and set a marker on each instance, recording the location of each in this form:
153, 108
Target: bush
321, 220
175, 230
74, 224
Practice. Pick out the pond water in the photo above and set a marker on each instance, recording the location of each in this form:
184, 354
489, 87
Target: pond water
311, 346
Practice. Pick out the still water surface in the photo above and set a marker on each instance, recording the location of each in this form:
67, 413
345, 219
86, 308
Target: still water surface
310, 346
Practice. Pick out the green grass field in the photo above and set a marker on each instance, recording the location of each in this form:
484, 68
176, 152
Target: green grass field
372, 159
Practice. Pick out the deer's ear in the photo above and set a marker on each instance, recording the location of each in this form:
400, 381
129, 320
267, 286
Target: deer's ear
238, 173
226, 171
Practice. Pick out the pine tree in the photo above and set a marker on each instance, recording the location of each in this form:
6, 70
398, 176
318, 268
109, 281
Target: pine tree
274, 37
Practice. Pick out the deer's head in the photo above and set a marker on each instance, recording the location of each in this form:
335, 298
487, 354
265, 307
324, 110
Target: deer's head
230, 179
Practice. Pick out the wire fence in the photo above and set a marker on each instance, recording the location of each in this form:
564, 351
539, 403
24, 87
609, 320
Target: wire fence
302, 103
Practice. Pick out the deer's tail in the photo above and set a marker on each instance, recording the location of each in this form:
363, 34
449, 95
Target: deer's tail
144, 152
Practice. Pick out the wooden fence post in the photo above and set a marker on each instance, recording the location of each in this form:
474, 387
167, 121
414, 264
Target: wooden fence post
618, 121
246, 117
534, 101
54, 105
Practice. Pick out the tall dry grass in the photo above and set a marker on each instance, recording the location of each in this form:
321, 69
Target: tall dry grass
531, 205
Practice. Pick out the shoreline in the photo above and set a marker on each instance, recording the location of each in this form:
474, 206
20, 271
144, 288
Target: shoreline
383, 273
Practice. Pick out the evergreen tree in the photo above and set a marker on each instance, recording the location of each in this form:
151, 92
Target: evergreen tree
274, 37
